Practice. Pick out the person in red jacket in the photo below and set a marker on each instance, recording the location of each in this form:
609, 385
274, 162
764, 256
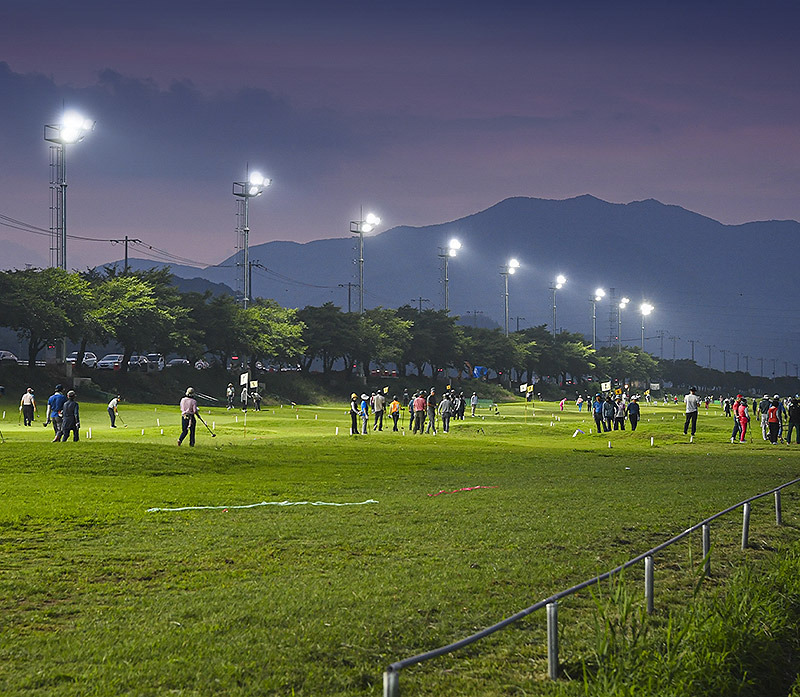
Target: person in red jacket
773, 421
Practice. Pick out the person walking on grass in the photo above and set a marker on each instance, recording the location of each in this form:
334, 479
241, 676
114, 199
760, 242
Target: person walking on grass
597, 412
394, 411
794, 420
735, 411
634, 412
773, 421
230, 393
354, 409
431, 408
744, 419
112, 410
619, 414
378, 405
473, 402
28, 406
763, 411
608, 413
364, 412
188, 416
410, 405
243, 398
71, 422
54, 406
692, 402
446, 411
420, 405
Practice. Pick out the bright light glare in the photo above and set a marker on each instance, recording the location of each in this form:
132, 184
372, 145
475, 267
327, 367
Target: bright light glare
254, 191
561, 280
72, 120
646, 308
256, 178
454, 245
366, 227
372, 220
599, 293
511, 270
513, 264
74, 127
452, 252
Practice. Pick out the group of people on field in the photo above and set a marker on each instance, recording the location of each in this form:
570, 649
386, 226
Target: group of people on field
773, 414
423, 407
610, 413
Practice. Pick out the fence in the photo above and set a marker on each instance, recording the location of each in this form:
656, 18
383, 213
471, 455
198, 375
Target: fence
391, 677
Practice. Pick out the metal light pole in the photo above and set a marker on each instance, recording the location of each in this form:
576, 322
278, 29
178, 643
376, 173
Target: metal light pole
508, 270
645, 309
73, 128
359, 227
599, 294
558, 283
622, 305
445, 253
253, 186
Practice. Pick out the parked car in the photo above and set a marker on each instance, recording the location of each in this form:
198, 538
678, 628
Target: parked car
8, 357
177, 362
139, 363
111, 361
89, 359
201, 364
156, 361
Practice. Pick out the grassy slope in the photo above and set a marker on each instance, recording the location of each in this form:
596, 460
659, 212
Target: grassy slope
97, 596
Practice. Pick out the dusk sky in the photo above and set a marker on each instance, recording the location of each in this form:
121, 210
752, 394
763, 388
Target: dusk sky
421, 111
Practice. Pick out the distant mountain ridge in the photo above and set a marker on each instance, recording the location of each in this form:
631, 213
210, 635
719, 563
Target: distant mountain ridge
731, 287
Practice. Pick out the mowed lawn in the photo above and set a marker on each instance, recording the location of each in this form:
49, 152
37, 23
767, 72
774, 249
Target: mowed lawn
98, 596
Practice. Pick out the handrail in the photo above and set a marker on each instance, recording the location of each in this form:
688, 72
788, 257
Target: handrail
391, 676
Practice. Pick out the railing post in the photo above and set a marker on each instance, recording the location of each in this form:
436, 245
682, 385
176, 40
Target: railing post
745, 525
648, 583
391, 683
706, 549
552, 640
778, 518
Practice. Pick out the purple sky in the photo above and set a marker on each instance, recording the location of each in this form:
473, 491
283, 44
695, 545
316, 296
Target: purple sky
423, 114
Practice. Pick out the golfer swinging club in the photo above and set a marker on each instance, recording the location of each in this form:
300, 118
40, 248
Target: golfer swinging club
188, 412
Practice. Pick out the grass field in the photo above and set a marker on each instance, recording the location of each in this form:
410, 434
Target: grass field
98, 596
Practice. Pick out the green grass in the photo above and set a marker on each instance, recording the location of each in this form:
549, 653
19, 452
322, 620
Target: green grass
98, 596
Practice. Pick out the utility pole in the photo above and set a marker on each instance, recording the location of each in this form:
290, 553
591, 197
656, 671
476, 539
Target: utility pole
420, 300
349, 287
709, 347
693, 342
724, 360
126, 240
475, 314
762, 367
674, 339
660, 335
746, 364
518, 319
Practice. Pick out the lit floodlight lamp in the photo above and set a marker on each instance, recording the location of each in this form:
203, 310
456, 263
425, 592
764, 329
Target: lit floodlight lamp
646, 308
455, 245
624, 302
599, 294
372, 220
560, 281
359, 227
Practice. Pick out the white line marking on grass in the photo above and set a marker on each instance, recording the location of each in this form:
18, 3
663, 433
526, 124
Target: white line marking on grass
263, 503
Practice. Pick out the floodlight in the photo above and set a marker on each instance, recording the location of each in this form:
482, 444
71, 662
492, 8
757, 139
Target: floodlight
599, 293
646, 308
454, 245
513, 264
561, 280
372, 220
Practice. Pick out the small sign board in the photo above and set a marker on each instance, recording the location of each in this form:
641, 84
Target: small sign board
244, 378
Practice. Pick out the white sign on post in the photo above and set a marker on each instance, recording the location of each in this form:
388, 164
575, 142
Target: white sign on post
605, 386
523, 387
244, 378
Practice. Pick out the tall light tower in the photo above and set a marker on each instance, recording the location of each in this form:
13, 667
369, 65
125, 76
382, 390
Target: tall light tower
599, 294
359, 227
445, 253
73, 128
622, 305
645, 309
558, 284
508, 270
253, 186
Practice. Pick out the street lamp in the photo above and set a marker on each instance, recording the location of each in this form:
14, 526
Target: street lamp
599, 294
508, 270
557, 285
72, 128
359, 227
645, 309
253, 186
622, 305
445, 253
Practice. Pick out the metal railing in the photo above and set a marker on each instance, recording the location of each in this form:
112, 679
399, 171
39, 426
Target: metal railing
391, 676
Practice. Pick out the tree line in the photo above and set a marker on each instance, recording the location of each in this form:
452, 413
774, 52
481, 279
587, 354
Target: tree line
144, 312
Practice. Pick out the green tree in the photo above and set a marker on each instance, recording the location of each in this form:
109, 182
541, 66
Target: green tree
44, 305
328, 334
272, 331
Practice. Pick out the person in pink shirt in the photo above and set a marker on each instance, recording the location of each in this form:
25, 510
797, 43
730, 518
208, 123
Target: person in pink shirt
744, 418
188, 416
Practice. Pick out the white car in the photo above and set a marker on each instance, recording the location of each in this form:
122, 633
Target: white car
89, 359
8, 357
156, 360
111, 361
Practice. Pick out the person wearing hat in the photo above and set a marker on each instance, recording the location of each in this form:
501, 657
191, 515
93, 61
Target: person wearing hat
692, 402
781, 415
54, 406
230, 393
364, 413
794, 420
112, 410
394, 411
71, 422
763, 410
354, 414
634, 412
188, 416
473, 403
744, 419
27, 405
431, 409
420, 402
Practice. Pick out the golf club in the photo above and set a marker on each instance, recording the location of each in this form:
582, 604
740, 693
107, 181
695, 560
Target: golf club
206, 396
119, 416
213, 435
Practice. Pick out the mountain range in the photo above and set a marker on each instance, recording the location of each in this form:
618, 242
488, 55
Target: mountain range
724, 292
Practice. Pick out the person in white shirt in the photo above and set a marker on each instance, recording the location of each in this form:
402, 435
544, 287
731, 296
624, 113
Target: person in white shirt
112, 410
28, 405
692, 403
188, 419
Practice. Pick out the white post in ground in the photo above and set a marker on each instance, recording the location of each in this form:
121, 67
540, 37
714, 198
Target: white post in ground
706, 549
778, 518
391, 683
552, 640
